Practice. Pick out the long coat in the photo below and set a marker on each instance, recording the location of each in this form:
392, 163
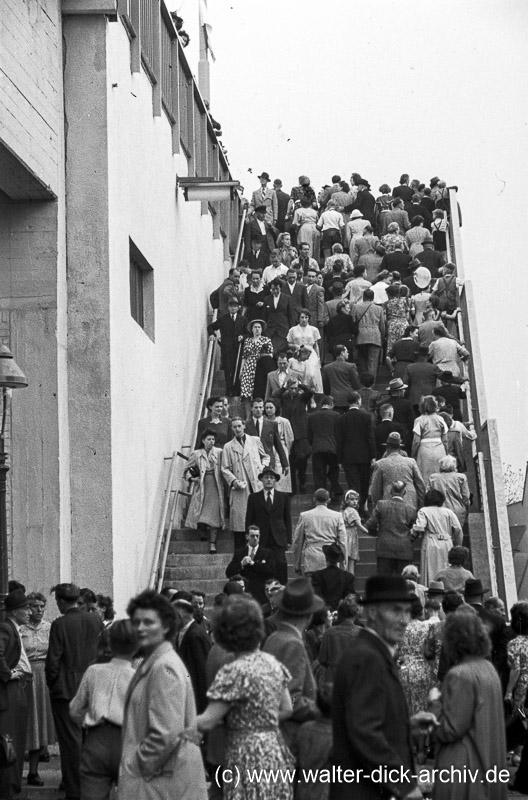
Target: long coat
242, 463
199, 459
155, 763
316, 528
395, 467
471, 731
370, 720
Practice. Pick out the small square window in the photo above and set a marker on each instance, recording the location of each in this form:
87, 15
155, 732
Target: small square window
141, 290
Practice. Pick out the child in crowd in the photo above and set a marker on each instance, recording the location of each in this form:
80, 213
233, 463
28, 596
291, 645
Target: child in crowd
353, 527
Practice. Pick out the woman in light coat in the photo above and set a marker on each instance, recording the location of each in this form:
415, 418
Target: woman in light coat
157, 763
453, 485
207, 501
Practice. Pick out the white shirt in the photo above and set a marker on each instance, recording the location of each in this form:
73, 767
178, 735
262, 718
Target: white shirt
262, 226
274, 272
101, 694
271, 493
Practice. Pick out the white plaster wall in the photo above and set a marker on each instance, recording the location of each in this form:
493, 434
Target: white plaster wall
153, 384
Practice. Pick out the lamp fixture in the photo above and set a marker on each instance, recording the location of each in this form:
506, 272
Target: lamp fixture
207, 189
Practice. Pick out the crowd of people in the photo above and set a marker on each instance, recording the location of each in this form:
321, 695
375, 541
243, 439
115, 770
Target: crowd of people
289, 674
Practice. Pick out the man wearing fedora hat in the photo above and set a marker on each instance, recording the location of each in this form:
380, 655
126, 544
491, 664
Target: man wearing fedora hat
371, 724
403, 410
316, 528
294, 613
232, 329
385, 427
255, 563
258, 238
396, 466
15, 688
265, 196
269, 511
430, 258
332, 583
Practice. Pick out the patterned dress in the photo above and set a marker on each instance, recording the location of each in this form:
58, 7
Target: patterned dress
415, 672
518, 659
253, 349
397, 320
254, 685
41, 730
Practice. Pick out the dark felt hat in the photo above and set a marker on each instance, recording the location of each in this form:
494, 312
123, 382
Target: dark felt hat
269, 471
16, 599
396, 385
333, 552
261, 208
298, 598
265, 176
393, 440
474, 587
435, 587
386, 589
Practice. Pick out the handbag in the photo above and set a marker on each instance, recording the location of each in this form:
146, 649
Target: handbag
7, 751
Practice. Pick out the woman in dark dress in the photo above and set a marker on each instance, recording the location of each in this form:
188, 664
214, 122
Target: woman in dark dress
254, 296
403, 352
340, 329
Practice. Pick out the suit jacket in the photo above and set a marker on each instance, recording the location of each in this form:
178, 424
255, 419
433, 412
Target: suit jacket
421, 380
272, 384
332, 584
315, 304
270, 439
370, 720
282, 207
279, 320
356, 438
322, 430
240, 462
366, 203
10, 649
391, 521
317, 527
265, 242
297, 295
266, 197
229, 332
256, 574
382, 430
396, 467
275, 525
404, 414
72, 648
193, 651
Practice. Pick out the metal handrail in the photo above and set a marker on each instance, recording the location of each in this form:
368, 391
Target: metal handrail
171, 495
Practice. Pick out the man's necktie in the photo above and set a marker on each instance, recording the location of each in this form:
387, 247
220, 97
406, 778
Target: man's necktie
257, 426
269, 502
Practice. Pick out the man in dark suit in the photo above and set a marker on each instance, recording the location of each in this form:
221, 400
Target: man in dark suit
270, 511
15, 689
391, 522
356, 448
315, 299
279, 315
495, 625
371, 725
332, 583
233, 330
430, 258
403, 410
322, 435
72, 648
268, 431
259, 240
386, 426
296, 291
192, 645
282, 204
420, 378
254, 563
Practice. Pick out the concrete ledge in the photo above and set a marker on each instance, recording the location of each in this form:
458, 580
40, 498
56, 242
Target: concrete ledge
74, 7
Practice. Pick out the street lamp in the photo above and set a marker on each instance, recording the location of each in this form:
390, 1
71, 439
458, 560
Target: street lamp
11, 377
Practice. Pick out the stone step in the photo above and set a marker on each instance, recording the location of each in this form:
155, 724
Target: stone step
188, 560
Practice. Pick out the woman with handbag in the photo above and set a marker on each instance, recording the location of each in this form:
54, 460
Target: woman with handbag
206, 508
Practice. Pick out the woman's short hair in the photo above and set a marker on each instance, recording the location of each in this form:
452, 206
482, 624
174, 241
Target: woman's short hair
428, 405
106, 602
274, 402
393, 290
458, 556
449, 267
464, 635
319, 617
32, 596
451, 601
207, 432
304, 311
519, 617
447, 464
417, 220
238, 624
434, 497
150, 600
403, 291
209, 403
341, 305
404, 178
384, 188
348, 608
123, 638
344, 186
416, 607
393, 227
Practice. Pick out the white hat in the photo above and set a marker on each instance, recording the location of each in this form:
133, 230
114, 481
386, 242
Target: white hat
356, 214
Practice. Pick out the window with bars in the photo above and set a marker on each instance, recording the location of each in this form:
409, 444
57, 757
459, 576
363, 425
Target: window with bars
141, 290
147, 9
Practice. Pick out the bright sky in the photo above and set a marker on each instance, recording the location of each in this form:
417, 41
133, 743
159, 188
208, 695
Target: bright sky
387, 87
